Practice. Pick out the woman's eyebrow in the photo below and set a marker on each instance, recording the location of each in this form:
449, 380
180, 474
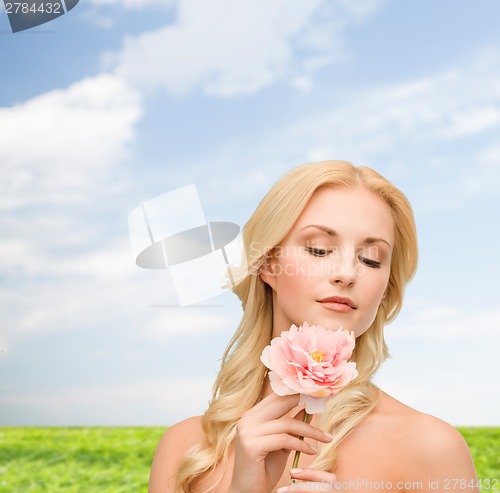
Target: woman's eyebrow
328, 231
370, 241
331, 232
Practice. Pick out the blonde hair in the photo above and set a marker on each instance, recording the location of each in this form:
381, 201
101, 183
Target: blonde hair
239, 383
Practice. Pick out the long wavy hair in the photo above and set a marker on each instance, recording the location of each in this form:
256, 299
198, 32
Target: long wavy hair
239, 384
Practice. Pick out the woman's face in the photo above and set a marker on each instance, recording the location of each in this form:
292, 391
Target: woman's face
333, 266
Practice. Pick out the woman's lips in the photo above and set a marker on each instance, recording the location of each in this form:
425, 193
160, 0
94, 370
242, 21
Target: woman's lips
338, 304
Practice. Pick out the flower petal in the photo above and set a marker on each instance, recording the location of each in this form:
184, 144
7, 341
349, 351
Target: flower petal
313, 405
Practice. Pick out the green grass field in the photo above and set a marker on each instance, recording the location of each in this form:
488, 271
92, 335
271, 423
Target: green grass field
118, 460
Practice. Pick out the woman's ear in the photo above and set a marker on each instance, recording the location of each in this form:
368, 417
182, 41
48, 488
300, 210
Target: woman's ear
383, 296
266, 271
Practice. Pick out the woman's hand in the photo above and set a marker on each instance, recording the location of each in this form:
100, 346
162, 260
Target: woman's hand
310, 480
265, 436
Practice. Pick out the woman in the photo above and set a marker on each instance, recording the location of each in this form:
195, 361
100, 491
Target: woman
333, 245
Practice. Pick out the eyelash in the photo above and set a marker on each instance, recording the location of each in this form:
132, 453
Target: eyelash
318, 252
369, 262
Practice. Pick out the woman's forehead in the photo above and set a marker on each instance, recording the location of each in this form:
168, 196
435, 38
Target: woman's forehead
346, 210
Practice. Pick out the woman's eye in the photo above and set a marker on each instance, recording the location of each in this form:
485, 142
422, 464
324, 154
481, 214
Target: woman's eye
369, 262
318, 252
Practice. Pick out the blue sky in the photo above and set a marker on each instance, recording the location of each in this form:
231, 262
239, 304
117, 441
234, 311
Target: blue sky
119, 101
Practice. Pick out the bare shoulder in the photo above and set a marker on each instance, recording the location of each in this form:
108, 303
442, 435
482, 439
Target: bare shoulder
428, 447
169, 452
187, 429
435, 436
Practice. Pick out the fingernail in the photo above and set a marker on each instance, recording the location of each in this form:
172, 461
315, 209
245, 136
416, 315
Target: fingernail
283, 489
327, 435
296, 470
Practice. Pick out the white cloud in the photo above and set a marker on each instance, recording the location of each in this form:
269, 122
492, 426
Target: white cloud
425, 123
133, 4
139, 403
434, 314
443, 362
303, 83
97, 18
231, 47
59, 142
445, 323
448, 397
429, 136
62, 272
47, 293
484, 177
59, 305
188, 322
103, 13
444, 107
26, 258
473, 120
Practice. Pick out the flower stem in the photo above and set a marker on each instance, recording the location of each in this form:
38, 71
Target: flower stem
307, 418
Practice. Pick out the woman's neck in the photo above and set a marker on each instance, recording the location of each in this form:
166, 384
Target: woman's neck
266, 387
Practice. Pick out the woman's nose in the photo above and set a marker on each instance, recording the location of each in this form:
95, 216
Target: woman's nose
343, 270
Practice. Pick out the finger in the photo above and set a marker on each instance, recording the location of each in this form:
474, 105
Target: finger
292, 427
307, 487
262, 446
308, 474
273, 406
322, 480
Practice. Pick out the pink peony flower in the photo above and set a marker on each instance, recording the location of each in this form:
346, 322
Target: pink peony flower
310, 360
